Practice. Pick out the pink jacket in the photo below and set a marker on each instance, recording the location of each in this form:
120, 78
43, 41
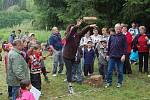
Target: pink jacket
26, 95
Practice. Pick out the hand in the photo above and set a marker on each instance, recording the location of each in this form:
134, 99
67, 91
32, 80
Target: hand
123, 58
93, 25
79, 22
107, 58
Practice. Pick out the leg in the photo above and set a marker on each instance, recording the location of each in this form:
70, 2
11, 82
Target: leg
10, 91
74, 70
43, 69
55, 62
101, 70
120, 71
128, 65
36, 81
86, 69
61, 62
68, 64
91, 68
14, 91
79, 73
111, 65
146, 62
140, 62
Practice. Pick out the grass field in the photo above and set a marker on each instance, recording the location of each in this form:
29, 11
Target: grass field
136, 87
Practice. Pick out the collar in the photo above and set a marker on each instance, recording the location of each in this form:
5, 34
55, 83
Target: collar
18, 51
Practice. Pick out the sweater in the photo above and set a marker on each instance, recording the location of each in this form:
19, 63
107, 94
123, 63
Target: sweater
73, 41
129, 41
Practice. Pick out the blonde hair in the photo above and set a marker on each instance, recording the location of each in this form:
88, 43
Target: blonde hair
143, 28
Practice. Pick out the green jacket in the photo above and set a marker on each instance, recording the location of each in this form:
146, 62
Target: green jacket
17, 68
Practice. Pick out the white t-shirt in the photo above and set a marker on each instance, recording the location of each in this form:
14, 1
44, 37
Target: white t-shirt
96, 38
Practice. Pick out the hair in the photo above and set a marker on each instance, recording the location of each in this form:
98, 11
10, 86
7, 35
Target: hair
117, 25
16, 42
13, 31
68, 28
105, 28
125, 25
23, 85
111, 30
19, 30
143, 27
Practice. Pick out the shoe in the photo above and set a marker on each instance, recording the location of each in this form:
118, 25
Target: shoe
65, 80
107, 85
61, 73
54, 75
119, 85
1, 93
70, 90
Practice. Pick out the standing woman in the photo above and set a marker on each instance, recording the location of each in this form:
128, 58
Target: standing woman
70, 48
143, 50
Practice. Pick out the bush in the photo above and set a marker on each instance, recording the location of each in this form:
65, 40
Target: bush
10, 19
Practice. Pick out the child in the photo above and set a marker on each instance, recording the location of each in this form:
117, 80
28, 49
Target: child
6, 47
35, 61
77, 70
101, 47
88, 58
24, 93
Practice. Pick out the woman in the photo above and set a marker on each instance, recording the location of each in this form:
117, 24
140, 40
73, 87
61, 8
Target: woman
70, 48
143, 50
127, 65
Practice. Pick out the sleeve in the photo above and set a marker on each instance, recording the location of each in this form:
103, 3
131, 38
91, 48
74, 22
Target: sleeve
84, 30
124, 45
17, 67
51, 41
73, 31
108, 49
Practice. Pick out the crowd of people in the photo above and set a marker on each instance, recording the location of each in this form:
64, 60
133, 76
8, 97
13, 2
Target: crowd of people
114, 48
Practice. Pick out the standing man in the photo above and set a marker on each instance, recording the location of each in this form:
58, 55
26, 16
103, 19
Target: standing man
17, 68
19, 34
117, 50
56, 46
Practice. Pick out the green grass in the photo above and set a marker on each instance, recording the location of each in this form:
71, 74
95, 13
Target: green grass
136, 87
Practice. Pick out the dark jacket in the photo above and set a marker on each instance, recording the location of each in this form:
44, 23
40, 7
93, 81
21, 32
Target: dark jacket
117, 45
88, 56
72, 42
55, 41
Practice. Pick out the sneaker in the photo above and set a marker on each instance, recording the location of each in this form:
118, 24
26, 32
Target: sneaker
119, 85
54, 75
107, 85
65, 80
70, 90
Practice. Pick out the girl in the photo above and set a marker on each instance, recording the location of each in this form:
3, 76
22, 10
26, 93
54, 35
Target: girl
24, 92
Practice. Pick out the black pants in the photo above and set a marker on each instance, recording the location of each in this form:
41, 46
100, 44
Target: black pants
127, 66
10, 91
36, 81
103, 70
145, 56
69, 63
88, 68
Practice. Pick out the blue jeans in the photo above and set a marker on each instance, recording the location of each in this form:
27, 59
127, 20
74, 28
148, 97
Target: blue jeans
14, 91
58, 59
77, 72
111, 65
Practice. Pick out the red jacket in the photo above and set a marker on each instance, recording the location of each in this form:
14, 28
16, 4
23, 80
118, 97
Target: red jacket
129, 41
142, 43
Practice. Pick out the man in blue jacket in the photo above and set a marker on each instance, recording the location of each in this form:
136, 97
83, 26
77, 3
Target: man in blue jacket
56, 46
117, 49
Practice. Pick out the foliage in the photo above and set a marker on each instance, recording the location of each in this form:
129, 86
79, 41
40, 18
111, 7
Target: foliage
9, 19
109, 12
